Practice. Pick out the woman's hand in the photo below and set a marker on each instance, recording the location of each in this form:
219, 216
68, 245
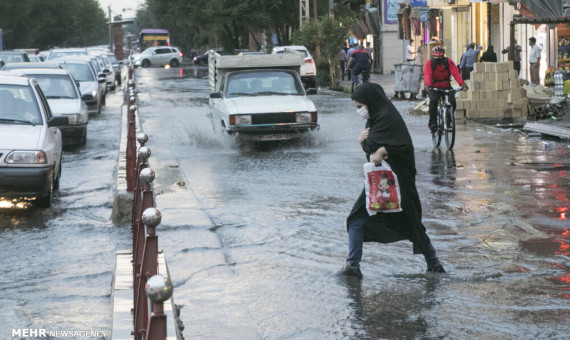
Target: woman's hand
379, 155
363, 135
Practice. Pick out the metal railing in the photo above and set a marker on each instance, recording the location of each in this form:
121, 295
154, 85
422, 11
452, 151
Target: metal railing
150, 289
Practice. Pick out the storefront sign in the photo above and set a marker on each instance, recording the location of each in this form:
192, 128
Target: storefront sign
418, 3
391, 12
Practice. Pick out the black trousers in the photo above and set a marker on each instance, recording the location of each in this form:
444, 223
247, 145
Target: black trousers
433, 101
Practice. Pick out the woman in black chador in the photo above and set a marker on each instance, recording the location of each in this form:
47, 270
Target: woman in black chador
386, 137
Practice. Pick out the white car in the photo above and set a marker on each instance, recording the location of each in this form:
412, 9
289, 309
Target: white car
91, 85
308, 69
160, 56
263, 105
64, 99
30, 143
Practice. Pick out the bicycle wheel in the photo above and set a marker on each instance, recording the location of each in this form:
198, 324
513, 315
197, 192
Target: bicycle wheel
436, 136
449, 127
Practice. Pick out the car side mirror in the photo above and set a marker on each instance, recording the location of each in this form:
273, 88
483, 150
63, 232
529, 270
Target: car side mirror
311, 91
216, 95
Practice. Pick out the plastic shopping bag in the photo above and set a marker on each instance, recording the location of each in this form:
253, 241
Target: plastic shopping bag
382, 189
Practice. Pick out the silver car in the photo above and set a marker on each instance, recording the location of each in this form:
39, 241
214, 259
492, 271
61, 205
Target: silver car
64, 99
30, 143
89, 82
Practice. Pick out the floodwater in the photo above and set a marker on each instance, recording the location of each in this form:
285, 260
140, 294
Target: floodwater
267, 266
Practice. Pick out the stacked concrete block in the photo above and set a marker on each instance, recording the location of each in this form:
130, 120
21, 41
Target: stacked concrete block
494, 92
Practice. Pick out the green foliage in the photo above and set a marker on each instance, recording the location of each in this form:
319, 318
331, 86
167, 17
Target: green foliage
45, 24
323, 73
328, 34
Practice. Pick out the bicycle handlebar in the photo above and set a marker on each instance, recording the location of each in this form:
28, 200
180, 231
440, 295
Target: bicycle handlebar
446, 91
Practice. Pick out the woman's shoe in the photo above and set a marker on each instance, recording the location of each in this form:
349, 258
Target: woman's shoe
436, 269
353, 271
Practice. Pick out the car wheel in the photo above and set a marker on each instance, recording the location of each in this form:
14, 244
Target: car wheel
174, 63
56, 182
113, 87
201, 62
119, 81
145, 63
45, 202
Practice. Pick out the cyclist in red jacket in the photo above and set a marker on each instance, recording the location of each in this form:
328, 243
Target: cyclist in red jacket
437, 73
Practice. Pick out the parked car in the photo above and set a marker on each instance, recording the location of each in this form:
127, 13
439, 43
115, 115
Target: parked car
14, 57
116, 67
308, 70
30, 142
64, 99
106, 66
159, 56
90, 84
55, 53
16, 66
201, 59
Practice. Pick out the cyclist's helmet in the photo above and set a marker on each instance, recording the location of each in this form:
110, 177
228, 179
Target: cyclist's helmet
437, 52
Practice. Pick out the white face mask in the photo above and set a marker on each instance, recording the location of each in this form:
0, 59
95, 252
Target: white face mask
362, 112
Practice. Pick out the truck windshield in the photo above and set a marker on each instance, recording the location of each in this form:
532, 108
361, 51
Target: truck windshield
263, 83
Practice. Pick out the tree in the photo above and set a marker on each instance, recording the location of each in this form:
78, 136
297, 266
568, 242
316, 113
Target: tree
55, 23
329, 34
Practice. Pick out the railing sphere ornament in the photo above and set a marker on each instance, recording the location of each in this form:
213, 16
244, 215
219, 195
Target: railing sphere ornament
133, 109
144, 152
158, 288
142, 138
151, 217
147, 175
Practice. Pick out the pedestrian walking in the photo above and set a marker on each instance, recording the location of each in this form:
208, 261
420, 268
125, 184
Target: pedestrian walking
351, 49
516, 56
342, 62
468, 59
386, 137
534, 61
489, 55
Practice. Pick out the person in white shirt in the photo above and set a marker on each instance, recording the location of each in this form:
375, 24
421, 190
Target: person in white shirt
534, 61
411, 52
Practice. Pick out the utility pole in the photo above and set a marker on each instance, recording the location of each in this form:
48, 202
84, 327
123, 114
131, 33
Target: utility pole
110, 34
303, 12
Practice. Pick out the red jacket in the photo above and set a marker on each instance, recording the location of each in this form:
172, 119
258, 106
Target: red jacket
439, 78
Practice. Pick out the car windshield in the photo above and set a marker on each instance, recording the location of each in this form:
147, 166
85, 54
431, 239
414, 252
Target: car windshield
293, 50
18, 105
79, 72
112, 58
11, 57
56, 86
263, 84
60, 54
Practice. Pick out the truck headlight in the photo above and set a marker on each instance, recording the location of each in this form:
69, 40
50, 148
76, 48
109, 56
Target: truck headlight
240, 120
74, 119
26, 157
303, 117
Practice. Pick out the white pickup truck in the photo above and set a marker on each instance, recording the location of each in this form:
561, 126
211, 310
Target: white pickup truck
260, 97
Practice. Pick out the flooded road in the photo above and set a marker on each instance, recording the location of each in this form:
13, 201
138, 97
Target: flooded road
268, 265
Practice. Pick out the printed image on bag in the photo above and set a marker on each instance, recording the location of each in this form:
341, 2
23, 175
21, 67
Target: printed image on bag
382, 189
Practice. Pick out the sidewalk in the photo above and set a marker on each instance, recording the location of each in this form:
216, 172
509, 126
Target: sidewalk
387, 81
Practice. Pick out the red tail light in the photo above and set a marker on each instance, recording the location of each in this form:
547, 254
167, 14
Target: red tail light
180, 54
309, 61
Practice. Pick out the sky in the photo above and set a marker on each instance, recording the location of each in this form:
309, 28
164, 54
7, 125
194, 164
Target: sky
117, 6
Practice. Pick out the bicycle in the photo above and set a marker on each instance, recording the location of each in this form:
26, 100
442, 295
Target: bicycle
445, 119
363, 77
